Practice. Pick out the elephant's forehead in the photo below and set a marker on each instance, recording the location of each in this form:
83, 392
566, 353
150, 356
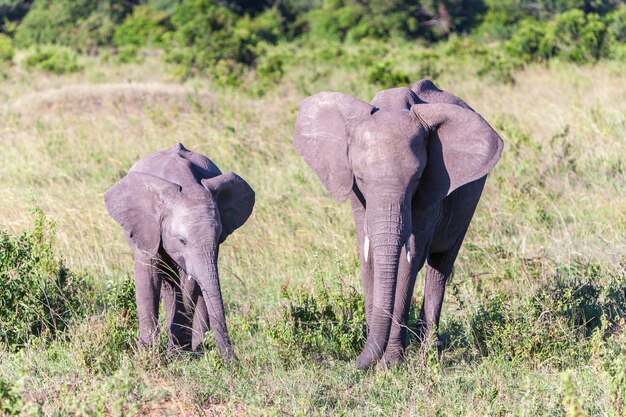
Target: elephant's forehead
387, 126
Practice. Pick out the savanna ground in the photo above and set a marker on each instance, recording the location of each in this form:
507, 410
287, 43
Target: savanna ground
534, 315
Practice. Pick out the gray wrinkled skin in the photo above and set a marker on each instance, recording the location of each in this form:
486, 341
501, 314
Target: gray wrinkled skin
413, 164
175, 208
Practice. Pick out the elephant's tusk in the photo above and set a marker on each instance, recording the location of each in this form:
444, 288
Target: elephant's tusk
408, 251
366, 248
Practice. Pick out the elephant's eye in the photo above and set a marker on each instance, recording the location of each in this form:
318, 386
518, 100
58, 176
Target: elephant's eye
182, 241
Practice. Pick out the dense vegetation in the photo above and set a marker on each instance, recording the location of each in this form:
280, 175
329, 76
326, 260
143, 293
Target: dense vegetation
534, 320
224, 39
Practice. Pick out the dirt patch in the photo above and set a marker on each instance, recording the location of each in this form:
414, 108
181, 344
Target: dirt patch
119, 98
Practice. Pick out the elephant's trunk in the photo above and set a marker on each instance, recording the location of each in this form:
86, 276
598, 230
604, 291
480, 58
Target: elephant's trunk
210, 284
386, 229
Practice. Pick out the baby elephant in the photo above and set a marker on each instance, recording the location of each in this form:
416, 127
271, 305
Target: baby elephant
176, 207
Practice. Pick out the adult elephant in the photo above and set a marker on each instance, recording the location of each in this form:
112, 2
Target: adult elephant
413, 163
176, 208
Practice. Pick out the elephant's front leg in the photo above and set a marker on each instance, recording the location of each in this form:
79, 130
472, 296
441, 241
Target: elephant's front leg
147, 292
367, 268
423, 221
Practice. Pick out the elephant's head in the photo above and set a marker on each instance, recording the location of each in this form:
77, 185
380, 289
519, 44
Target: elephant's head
187, 223
417, 144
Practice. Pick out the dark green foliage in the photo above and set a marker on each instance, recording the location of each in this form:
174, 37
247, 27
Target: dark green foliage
575, 36
354, 20
224, 39
54, 59
330, 323
211, 40
144, 26
572, 36
39, 296
11, 11
526, 43
83, 25
385, 75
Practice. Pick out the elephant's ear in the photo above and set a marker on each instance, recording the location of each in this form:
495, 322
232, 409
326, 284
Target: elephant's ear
136, 202
321, 137
235, 200
462, 148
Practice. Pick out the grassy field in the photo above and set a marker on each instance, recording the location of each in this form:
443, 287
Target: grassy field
534, 318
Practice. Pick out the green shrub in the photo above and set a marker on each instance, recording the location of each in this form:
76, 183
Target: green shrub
55, 59
333, 25
210, 40
526, 42
555, 324
6, 49
386, 76
616, 28
39, 296
575, 37
128, 53
83, 25
144, 26
330, 323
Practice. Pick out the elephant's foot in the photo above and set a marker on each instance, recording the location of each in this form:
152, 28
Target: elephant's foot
394, 356
367, 359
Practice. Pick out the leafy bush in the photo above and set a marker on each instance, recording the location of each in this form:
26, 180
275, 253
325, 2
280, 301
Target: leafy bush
210, 39
38, 295
526, 42
6, 49
55, 59
128, 53
575, 36
554, 325
384, 74
144, 26
330, 323
82, 25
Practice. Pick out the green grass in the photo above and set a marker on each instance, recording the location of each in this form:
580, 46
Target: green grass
544, 255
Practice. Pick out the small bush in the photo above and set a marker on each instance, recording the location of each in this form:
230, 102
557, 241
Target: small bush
39, 296
58, 60
526, 42
554, 325
129, 53
102, 341
83, 25
211, 40
145, 26
6, 49
386, 76
330, 323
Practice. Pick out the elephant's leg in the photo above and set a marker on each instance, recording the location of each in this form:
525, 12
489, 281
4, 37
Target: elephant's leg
200, 323
147, 291
438, 270
458, 210
367, 268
